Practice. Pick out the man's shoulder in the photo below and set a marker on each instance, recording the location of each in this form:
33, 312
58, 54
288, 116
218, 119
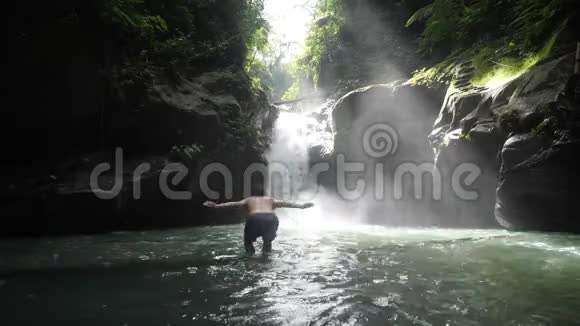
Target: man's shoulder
260, 198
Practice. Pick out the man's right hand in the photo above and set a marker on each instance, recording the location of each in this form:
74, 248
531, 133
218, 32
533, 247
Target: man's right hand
210, 204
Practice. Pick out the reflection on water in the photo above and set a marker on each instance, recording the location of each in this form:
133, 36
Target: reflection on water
336, 275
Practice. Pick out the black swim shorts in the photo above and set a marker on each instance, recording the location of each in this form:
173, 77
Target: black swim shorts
263, 225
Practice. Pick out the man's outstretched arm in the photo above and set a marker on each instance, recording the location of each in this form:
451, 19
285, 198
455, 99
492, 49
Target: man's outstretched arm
231, 204
289, 204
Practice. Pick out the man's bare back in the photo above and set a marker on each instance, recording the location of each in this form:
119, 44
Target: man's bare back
259, 205
261, 221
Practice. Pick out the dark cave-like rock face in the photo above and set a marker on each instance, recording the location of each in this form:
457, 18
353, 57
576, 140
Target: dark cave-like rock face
173, 123
539, 184
524, 137
183, 113
74, 105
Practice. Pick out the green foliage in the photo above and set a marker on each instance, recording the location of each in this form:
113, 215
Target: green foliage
253, 26
533, 20
503, 38
547, 127
490, 72
442, 19
552, 121
282, 79
260, 75
128, 45
293, 92
466, 137
440, 73
323, 36
155, 48
255, 30
132, 15
163, 40
321, 42
300, 75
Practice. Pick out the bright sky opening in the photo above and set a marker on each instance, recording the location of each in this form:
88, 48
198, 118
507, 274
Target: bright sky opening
289, 20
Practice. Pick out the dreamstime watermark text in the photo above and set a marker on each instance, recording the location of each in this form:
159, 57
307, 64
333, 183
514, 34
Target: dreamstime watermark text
354, 179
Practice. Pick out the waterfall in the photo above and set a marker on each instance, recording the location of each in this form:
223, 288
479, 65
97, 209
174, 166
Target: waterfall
295, 138
288, 155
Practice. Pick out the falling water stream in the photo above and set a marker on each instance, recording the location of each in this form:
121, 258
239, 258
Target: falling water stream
323, 271
288, 155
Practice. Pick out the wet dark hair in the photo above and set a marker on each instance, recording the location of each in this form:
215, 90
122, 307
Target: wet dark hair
258, 190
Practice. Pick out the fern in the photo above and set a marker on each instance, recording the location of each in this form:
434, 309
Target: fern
494, 34
130, 14
420, 15
533, 21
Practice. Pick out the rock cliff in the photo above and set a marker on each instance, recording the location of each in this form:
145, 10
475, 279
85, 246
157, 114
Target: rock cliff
523, 135
520, 140
163, 84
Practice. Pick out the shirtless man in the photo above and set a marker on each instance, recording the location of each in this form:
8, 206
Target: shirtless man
261, 221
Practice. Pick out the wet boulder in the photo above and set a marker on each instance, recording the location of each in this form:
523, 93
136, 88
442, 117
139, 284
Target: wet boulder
475, 122
538, 184
168, 114
188, 122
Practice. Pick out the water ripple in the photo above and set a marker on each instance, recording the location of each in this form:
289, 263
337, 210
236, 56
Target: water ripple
348, 276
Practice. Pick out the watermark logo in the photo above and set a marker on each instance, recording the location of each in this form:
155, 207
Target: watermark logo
380, 140
353, 179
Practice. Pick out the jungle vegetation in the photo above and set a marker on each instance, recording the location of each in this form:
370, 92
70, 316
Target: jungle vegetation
499, 38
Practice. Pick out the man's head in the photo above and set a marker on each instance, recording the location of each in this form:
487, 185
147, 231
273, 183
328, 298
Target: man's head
258, 190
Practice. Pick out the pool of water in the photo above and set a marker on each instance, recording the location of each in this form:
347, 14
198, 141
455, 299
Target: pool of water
336, 274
